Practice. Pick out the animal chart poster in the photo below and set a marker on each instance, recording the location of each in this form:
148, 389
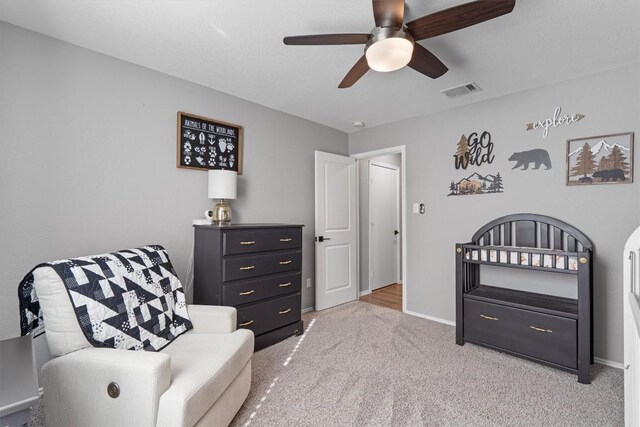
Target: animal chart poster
208, 144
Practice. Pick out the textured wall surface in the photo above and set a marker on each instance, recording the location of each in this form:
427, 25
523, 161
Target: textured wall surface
89, 154
605, 213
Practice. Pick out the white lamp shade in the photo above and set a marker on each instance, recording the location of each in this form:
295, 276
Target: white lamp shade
389, 54
223, 184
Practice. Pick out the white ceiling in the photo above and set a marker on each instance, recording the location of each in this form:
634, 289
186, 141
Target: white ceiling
235, 46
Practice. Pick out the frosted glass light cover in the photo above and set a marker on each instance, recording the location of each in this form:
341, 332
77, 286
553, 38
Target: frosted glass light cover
223, 184
389, 54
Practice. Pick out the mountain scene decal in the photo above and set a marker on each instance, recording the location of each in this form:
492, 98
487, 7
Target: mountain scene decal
600, 160
477, 184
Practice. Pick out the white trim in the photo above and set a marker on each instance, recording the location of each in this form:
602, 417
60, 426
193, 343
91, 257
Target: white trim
363, 293
403, 173
608, 363
435, 319
306, 310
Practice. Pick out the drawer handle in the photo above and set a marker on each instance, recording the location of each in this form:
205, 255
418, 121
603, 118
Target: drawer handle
246, 323
247, 293
285, 262
248, 242
284, 285
488, 317
288, 239
540, 329
284, 311
249, 267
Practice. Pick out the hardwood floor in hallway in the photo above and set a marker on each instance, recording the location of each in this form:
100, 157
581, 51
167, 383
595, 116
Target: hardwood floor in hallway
389, 296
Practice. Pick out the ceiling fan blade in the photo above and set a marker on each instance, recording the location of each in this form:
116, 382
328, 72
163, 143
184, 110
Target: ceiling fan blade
327, 39
426, 62
388, 13
458, 17
355, 73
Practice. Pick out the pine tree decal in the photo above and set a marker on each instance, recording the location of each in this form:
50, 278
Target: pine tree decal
603, 164
585, 163
617, 160
461, 158
496, 185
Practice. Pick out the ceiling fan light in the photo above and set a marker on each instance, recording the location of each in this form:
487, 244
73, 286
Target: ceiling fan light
389, 54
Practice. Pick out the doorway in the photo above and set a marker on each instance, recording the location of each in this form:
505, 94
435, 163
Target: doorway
381, 191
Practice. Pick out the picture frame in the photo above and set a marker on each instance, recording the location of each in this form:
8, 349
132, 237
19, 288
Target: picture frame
206, 144
610, 159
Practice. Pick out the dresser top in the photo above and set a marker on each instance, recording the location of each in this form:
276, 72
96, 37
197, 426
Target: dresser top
245, 226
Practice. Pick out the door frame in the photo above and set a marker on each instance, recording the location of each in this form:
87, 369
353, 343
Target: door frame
399, 220
399, 149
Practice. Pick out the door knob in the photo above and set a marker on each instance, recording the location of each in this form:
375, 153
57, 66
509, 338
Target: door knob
322, 238
396, 232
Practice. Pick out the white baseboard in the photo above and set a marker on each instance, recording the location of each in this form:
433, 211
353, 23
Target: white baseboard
435, 319
363, 293
306, 310
608, 363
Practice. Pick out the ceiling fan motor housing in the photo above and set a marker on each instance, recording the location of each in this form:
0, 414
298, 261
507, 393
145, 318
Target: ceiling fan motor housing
388, 49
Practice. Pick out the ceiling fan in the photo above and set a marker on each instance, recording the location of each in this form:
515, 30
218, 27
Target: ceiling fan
392, 44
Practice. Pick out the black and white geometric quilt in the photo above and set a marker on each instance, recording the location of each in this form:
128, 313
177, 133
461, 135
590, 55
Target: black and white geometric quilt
130, 299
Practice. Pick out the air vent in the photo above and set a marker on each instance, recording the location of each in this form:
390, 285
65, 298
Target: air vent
462, 90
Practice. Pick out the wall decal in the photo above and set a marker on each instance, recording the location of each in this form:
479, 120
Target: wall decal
474, 150
605, 159
208, 144
555, 121
537, 156
477, 184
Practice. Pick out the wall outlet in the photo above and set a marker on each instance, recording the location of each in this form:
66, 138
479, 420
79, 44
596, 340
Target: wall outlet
308, 282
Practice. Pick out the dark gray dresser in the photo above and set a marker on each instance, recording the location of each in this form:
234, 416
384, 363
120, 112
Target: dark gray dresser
255, 268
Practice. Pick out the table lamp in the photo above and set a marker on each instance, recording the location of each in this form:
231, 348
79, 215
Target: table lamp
222, 186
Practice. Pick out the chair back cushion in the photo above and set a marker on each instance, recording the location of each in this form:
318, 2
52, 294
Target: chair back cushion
129, 300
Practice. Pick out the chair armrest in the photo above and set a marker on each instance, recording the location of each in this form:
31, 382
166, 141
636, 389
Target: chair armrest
212, 319
75, 387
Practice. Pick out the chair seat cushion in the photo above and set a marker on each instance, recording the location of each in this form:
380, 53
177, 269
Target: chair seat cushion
202, 367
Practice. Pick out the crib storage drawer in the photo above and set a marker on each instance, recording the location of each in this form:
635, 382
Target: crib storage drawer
541, 336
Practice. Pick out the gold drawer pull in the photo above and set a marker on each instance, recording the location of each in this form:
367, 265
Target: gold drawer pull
246, 323
248, 242
288, 239
488, 317
249, 267
284, 311
285, 262
284, 285
247, 293
540, 329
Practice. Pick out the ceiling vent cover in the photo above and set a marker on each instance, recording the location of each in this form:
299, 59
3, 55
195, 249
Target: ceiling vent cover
462, 90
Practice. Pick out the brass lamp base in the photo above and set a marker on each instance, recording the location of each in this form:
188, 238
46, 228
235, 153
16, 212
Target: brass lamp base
221, 213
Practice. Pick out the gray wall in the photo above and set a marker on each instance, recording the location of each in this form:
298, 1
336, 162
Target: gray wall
363, 200
605, 213
89, 153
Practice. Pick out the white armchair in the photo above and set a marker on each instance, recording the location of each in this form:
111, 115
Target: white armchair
200, 379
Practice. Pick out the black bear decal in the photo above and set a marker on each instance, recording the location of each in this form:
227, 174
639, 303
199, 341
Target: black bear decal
610, 175
537, 156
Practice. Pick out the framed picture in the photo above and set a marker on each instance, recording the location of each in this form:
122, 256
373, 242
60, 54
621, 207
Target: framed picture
205, 144
604, 159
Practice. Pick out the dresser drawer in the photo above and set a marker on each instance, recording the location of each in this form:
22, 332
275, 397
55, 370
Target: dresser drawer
244, 267
236, 242
268, 315
252, 290
543, 336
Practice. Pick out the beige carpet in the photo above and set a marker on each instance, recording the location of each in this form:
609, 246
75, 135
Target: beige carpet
361, 364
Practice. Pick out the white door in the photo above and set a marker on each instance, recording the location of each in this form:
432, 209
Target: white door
631, 301
336, 261
384, 204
